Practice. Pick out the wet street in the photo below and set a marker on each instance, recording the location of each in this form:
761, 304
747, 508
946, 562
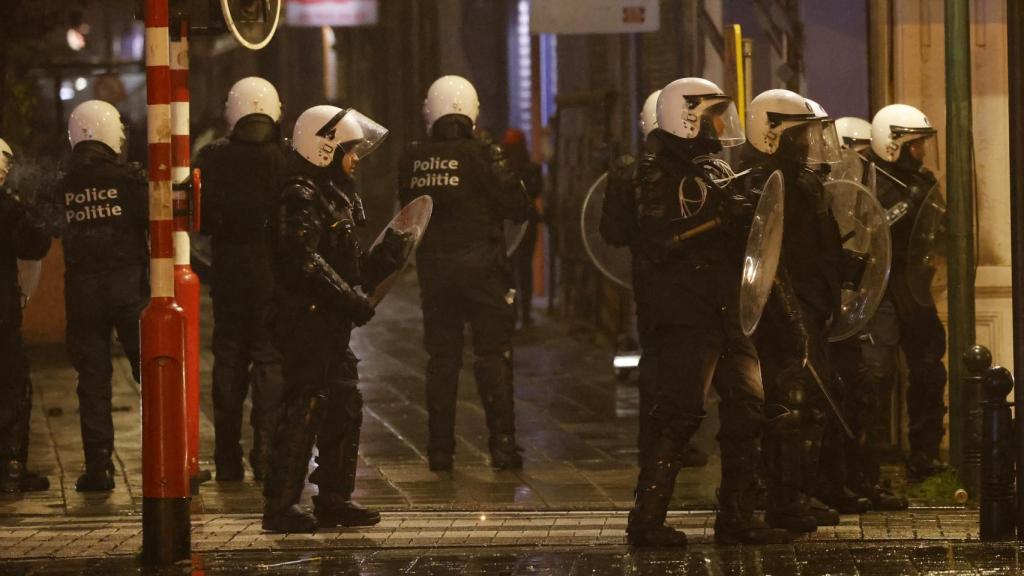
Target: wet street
564, 513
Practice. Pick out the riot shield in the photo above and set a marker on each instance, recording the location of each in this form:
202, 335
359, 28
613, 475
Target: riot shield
850, 167
926, 251
412, 220
764, 248
28, 278
615, 262
864, 228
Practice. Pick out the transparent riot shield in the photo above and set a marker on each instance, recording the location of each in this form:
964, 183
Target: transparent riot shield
764, 248
864, 228
850, 167
515, 232
615, 262
412, 220
926, 251
29, 272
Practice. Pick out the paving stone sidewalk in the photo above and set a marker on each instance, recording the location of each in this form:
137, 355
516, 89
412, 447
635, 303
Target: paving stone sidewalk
81, 537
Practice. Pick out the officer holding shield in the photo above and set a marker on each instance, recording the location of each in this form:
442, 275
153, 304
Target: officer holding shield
319, 264
904, 152
689, 252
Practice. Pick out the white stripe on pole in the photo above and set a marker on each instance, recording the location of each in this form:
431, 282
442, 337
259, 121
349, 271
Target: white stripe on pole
161, 277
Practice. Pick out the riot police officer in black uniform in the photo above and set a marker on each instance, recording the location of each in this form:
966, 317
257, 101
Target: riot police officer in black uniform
689, 248
319, 264
23, 235
902, 146
106, 284
241, 180
463, 271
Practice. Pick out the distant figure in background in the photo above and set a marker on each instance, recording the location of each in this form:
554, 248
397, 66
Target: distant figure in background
242, 179
22, 236
106, 279
514, 145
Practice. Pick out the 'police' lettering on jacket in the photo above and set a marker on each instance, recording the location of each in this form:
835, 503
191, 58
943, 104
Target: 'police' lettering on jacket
92, 204
435, 172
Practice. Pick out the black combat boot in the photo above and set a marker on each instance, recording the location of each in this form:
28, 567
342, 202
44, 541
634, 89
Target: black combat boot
10, 480
494, 383
337, 509
99, 473
883, 499
338, 462
646, 527
286, 477
845, 501
921, 466
786, 506
737, 523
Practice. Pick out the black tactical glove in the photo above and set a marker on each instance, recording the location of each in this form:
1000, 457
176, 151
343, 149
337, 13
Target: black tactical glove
393, 250
358, 308
11, 203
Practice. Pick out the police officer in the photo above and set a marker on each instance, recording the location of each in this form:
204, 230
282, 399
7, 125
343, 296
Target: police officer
514, 147
463, 271
106, 218
690, 294
319, 263
618, 228
787, 134
241, 180
902, 148
863, 401
23, 235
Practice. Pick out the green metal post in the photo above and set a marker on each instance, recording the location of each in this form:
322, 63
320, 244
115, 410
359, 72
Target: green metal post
960, 194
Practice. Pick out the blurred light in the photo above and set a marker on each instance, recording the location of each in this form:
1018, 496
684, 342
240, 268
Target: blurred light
80, 83
483, 517
76, 40
626, 361
67, 92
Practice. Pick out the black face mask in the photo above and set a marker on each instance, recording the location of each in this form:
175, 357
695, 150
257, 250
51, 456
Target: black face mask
906, 160
688, 149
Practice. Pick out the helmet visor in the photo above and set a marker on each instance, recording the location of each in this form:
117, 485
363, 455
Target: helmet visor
725, 120
818, 142
925, 150
373, 134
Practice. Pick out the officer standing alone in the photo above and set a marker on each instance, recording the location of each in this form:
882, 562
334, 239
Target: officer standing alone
106, 283
464, 274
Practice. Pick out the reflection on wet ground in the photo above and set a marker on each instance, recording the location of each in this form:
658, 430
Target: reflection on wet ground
884, 559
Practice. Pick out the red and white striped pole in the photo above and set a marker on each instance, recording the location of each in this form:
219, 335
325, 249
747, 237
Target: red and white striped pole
166, 536
186, 283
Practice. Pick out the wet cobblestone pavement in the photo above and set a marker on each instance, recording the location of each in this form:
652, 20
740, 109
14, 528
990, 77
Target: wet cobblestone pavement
806, 558
564, 513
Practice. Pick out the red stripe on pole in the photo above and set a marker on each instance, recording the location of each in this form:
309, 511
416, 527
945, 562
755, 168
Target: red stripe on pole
161, 241
179, 85
158, 85
179, 150
159, 161
157, 14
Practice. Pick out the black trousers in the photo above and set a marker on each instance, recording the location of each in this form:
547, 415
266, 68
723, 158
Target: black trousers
321, 406
453, 296
903, 325
15, 389
98, 305
244, 354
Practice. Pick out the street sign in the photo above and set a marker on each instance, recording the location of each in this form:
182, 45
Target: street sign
338, 13
594, 16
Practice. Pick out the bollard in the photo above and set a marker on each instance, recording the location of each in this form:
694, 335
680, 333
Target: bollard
977, 359
997, 458
186, 283
166, 536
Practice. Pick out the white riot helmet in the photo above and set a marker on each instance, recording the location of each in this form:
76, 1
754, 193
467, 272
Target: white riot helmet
649, 114
777, 114
689, 105
450, 95
321, 131
252, 95
854, 133
897, 125
6, 159
96, 121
